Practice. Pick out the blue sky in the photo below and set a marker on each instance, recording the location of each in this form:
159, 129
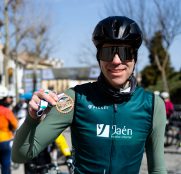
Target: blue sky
72, 26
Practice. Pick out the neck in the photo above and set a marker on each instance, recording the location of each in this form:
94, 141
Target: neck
124, 86
117, 94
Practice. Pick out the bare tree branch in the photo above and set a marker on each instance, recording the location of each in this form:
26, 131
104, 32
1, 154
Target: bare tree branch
162, 15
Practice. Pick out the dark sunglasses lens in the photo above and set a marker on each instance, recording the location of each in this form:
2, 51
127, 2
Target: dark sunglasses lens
125, 53
107, 53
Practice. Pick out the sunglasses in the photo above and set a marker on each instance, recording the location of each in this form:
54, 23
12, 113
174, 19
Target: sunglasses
107, 53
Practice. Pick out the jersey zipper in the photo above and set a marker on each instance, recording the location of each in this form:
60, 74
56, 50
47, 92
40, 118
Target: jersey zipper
115, 108
112, 139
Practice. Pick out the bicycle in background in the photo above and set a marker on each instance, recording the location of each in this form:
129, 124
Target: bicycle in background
173, 128
52, 160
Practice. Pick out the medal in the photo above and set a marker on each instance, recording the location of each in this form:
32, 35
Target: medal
65, 104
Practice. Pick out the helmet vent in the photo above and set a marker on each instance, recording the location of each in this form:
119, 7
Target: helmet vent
117, 31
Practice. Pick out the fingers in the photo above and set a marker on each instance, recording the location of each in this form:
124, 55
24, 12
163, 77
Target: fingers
34, 102
34, 105
49, 96
32, 112
53, 95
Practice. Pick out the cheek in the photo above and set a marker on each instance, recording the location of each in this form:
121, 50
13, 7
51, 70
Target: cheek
102, 66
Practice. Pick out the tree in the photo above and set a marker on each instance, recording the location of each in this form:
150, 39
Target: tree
159, 66
14, 32
153, 16
87, 55
6, 37
40, 48
19, 29
18, 33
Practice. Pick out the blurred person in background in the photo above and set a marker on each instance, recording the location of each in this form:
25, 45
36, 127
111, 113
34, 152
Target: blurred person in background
9, 100
169, 107
8, 124
21, 110
168, 104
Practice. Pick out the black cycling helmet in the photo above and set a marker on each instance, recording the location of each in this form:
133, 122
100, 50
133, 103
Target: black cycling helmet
117, 30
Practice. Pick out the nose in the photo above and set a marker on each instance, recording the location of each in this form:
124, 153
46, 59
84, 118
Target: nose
116, 59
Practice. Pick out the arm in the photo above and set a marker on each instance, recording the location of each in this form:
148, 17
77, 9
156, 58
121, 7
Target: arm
34, 135
155, 142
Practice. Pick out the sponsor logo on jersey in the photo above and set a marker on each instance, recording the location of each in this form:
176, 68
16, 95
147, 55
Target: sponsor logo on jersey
103, 130
114, 131
92, 107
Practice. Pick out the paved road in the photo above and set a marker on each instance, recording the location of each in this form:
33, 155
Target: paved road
172, 157
173, 162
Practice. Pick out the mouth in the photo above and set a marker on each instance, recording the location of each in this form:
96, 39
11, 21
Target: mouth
116, 70
115, 73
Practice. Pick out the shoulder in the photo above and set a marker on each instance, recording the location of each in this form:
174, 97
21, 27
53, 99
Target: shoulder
158, 102
70, 92
141, 90
6, 111
158, 99
144, 94
79, 89
85, 88
85, 85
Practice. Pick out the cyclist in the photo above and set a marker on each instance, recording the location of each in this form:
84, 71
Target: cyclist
8, 124
112, 120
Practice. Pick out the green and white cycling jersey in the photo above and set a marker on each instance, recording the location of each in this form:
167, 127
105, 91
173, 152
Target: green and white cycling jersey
107, 137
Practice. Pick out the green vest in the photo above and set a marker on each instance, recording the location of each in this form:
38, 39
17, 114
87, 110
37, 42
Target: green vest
110, 138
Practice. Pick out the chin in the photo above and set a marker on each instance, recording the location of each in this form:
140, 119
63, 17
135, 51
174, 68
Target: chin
117, 83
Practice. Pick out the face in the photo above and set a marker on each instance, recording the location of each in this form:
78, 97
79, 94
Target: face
9, 100
117, 72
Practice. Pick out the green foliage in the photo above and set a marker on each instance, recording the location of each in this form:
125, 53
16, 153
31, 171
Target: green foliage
174, 82
156, 48
151, 75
